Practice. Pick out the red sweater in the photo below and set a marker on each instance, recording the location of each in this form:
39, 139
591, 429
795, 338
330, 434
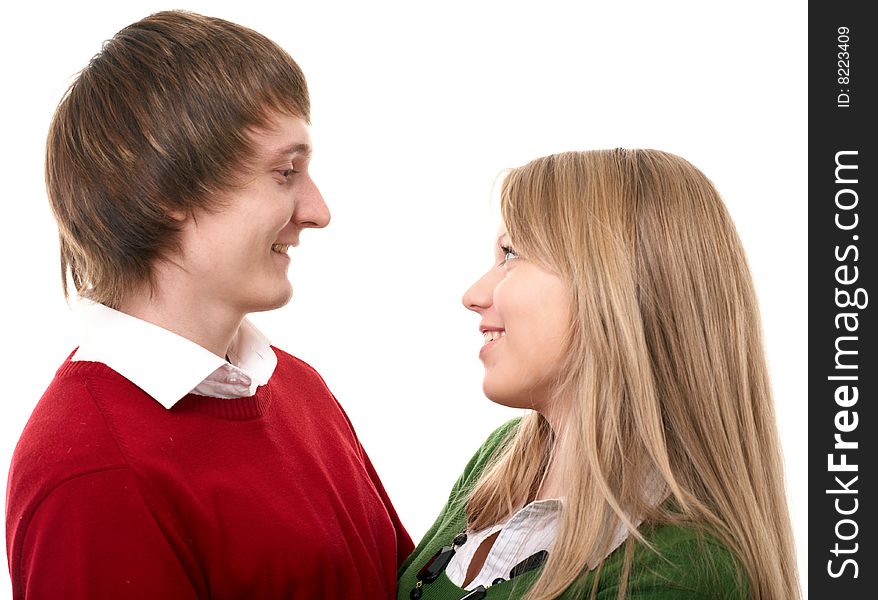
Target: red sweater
113, 496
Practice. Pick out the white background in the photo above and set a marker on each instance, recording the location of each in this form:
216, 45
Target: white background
416, 109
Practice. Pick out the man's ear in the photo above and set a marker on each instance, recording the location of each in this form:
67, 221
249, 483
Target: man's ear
177, 215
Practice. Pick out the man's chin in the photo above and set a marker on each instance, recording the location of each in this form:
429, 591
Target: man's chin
271, 303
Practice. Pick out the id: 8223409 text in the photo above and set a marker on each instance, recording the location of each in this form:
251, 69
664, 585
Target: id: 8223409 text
843, 100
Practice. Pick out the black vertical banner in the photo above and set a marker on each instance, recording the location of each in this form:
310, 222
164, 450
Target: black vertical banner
843, 299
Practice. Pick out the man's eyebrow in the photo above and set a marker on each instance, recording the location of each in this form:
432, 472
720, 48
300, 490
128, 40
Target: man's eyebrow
303, 149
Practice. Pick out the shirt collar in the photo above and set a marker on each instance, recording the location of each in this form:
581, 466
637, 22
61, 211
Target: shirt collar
543, 515
168, 366
537, 511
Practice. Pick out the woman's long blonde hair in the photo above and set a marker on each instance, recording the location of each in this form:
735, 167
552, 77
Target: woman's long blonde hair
664, 366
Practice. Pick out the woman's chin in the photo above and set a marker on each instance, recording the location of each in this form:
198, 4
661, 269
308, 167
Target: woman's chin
503, 395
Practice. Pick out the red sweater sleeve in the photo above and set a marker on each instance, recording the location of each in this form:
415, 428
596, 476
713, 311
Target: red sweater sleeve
94, 536
404, 544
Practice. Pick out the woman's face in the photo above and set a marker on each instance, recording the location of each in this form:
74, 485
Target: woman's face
525, 314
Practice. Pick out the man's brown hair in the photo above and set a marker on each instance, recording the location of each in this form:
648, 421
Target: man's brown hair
154, 127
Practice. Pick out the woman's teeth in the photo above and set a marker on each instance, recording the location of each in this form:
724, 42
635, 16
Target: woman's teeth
282, 248
490, 336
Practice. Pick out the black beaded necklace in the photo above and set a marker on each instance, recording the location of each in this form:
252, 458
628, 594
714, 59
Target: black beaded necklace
431, 571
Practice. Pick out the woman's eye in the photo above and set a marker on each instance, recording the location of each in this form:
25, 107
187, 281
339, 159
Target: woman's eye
508, 254
287, 172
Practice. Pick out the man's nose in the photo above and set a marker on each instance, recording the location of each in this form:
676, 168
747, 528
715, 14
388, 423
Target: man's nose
311, 210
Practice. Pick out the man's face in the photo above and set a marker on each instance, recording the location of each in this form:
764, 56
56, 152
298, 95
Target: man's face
236, 258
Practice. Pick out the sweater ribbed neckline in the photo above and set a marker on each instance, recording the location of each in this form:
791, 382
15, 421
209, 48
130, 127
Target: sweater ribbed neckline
229, 409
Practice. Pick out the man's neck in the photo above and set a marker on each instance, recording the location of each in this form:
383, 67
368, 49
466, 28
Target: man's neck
209, 326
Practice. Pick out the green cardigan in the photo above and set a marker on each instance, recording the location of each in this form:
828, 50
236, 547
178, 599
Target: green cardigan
691, 566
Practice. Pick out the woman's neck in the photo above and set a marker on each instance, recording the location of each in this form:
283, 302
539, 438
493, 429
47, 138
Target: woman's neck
551, 486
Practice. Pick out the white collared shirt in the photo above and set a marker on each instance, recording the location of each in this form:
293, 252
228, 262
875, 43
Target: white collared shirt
168, 366
531, 529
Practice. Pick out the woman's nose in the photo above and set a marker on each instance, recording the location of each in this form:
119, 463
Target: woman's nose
480, 295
